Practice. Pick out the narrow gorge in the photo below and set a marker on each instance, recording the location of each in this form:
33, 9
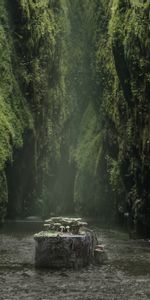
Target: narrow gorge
74, 109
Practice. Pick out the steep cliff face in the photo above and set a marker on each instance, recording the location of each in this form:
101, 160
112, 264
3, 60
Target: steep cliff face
74, 108
122, 72
129, 35
29, 75
14, 111
112, 151
93, 194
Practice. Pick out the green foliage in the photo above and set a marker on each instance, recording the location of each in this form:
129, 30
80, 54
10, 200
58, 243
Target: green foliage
120, 70
129, 37
87, 158
28, 67
74, 107
114, 175
88, 141
14, 111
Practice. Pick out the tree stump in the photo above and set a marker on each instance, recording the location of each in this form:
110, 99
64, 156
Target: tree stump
63, 251
66, 243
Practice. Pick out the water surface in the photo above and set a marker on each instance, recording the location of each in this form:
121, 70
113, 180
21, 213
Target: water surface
126, 274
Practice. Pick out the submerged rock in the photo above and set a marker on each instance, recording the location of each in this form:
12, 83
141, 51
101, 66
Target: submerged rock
100, 255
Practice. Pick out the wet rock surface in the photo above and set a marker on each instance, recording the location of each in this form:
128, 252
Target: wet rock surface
126, 274
63, 251
66, 243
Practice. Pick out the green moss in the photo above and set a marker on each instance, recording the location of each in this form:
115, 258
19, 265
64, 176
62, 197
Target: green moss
15, 115
74, 100
129, 36
14, 112
28, 64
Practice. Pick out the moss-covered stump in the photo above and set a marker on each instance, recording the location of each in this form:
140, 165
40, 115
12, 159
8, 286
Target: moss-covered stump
55, 250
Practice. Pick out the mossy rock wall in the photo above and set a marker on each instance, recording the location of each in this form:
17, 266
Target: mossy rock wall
112, 150
122, 77
74, 108
129, 36
29, 68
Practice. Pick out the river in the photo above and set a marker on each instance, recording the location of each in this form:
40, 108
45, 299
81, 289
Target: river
126, 274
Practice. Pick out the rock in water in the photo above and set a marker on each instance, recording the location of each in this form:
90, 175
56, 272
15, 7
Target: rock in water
63, 251
67, 243
100, 256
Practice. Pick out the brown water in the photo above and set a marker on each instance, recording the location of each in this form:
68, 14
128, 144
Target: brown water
126, 275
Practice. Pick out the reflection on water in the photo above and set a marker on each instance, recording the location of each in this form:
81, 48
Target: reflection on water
21, 227
126, 275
